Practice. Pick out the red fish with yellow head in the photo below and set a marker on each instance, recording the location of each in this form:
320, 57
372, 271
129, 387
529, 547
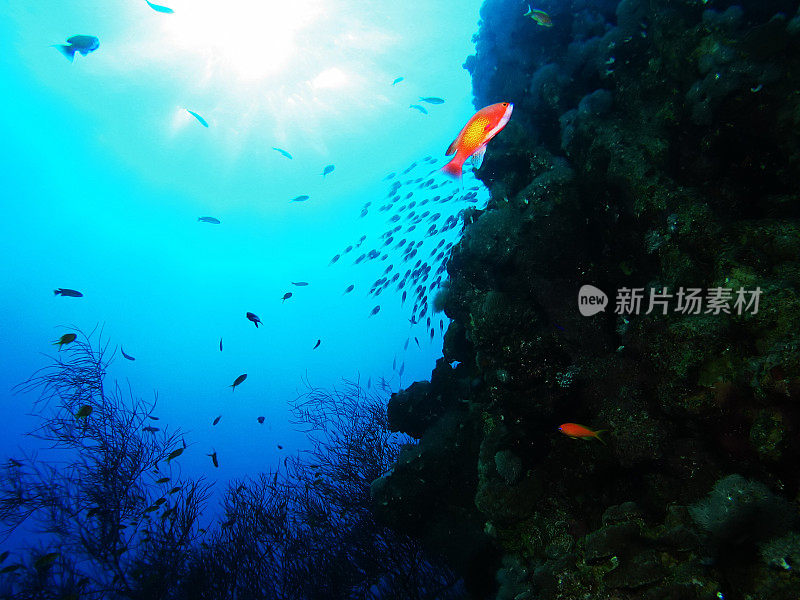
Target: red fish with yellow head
479, 130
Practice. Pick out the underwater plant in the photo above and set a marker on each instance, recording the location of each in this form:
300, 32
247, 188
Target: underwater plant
307, 531
97, 493
113, 518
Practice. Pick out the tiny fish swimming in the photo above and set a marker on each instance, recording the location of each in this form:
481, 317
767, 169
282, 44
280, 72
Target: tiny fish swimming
66, 292
581, 432
158, 8
83, 44
67, 338
200, 120
238, 381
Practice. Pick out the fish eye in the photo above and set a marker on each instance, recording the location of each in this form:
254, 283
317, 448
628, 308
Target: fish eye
505, 103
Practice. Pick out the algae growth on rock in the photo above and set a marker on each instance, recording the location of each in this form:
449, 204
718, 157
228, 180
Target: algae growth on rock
653, 146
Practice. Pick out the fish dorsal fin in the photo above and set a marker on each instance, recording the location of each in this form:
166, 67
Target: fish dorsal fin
451, 149
477, 157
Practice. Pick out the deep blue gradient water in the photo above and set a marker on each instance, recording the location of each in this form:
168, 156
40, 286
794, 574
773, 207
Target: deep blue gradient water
105, 173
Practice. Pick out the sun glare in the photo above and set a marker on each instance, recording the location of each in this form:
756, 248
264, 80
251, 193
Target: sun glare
253, 38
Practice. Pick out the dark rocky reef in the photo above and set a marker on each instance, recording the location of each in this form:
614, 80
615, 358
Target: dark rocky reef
652, 145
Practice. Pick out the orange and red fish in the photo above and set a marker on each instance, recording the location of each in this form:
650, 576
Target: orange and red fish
472, 140
582, 432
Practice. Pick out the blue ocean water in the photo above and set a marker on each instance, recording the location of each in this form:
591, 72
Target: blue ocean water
105, 175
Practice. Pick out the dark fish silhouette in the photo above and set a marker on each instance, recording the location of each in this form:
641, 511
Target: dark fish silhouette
216, 420
220, 344
375, 311
300, 283
200, 119
150, 429
327, 169
254, 318
302, 198
286, 296
238, 381
282, 151
213, 456
432, 100
421, 109
260, 420
78, 43
334, 259
212, 220
317, 344
175, 454
68, 292
349, 288
398, 80
67, 338
128, 356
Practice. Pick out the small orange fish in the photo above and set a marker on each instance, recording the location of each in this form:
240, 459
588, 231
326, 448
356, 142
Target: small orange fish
541, 17
472, 140
582, 432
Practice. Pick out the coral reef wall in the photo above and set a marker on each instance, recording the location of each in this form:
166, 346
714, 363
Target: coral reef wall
654, 144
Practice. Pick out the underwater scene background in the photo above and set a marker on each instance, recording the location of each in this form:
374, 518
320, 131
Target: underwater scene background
288, 357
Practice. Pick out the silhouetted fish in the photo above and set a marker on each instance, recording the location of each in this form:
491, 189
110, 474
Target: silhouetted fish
220, 344
398, 80
282, 151
419, 108
78, 43
68, 293
260, 420
286, 296
238, 381
302, 198
349, 289
212, 220
159, 8
375, 311
200, 119
254, 318
432, 100
67, 338
300, 283
125, 355
327, 169
317, 344
216, 420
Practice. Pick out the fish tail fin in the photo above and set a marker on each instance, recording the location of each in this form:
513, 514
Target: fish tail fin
597, 435
67, 50
56, 292
453, 168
